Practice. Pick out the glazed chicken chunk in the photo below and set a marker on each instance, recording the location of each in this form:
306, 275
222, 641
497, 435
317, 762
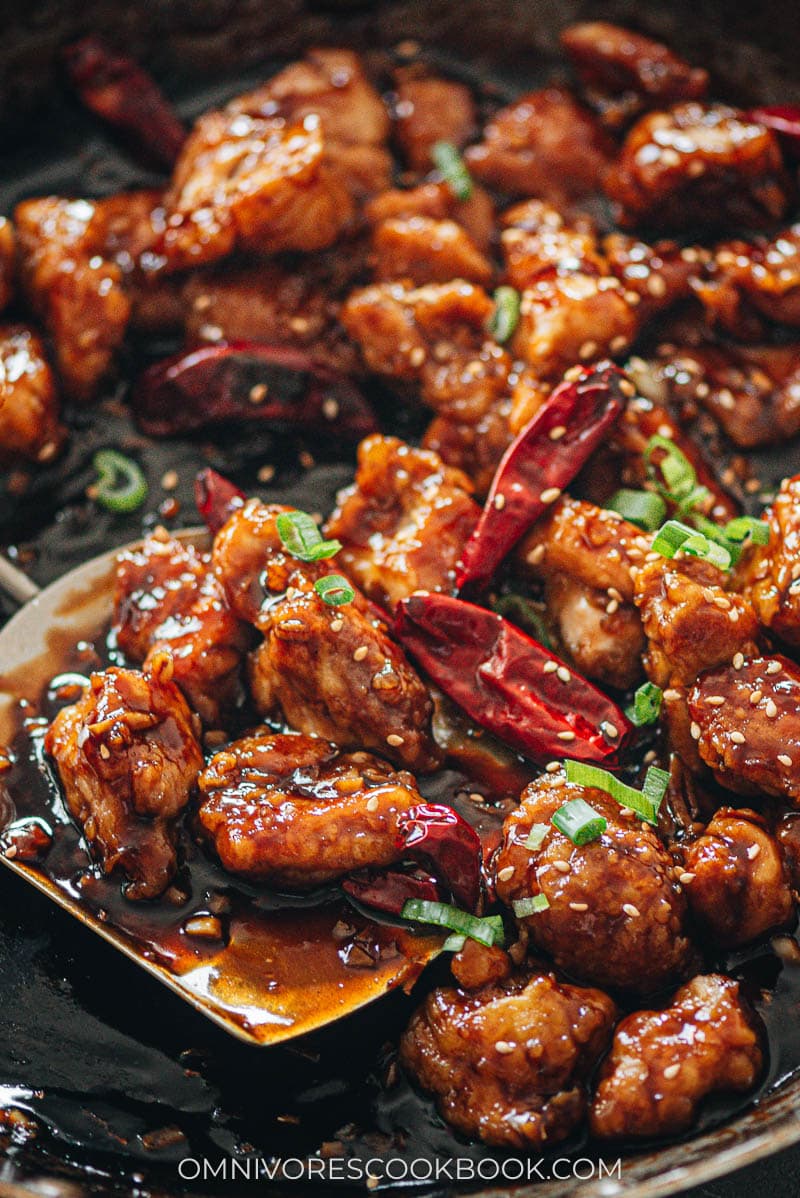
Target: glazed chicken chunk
746, 722
330, 671
609, 58
698, 164
128, 756
768, 574
662, 1064
404, 522
507, 1064
167, 598
736, 881
429, 109
615, 916
761, 277
292, 811
29, 406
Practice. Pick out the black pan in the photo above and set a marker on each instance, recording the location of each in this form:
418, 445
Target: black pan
114, 1080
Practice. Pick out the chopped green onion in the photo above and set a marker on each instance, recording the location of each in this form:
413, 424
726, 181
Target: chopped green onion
674, 536
644, 802
677, 472
528, 615
742, 527
487, 931
537, 836
530, 906
121, 484
334, 590
301, 537
646, 705
451, 167
643, 508
454, 943
578, 820
505, 318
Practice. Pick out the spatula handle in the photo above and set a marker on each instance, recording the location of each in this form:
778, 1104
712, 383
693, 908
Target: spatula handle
15, 584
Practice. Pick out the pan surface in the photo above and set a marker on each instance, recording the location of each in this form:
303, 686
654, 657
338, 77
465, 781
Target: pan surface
114, 1080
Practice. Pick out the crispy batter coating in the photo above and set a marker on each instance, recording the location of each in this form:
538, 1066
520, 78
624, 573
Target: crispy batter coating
428, 109
127, 755
762, 275
427, 251
698, 164
29, 405
404, 521
437, 201
737, 883
330, 671
544, 144
292, 811
768, 573
615, 916
73, 287
660, 273
662, 1064
537, 239
167, 597
507, 1063
746, 719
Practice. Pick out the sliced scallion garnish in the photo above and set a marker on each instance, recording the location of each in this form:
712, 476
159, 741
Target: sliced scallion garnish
578, 820
488, 930
121, 484
530, 906
505, 318
642, 508
646, 705
674, 536
451, 167
679, 476
335, 590
645, 802
302, 539
454, 943
536, 837
743, 527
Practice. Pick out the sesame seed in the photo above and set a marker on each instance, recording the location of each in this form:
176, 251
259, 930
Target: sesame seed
553, 767
671, 694
105, 752
625, 812
563, 673
579, 906
626, 386
476, 797
695, 731
716, 700
613, 593
337, 625
566, 736
753, 851
550, 495
612, 606
629, 909
755, 698
722, 602
786, 760
561, 866
330, 408
738, 661
360, 653
618, 344
656, 286
499, 502
774, 667
611, 730
258, 393
557, 433
503, 875
505, 1047
11, 852
536, 554
587, 350
737, 738
550, 667
686, 878
394, 740
266, 474
169, 480
771, 709
672, 1071
372, 804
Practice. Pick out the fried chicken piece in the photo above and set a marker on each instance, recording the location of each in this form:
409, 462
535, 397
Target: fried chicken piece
544, 144
507, 1064
584, 556
746, 721
761, 275
75, 289
127, 755
292, 811
437, 201
430, 109
134, 228
615, 917
611, 59
736, 881
29, 405
768, 574
404, 522
660, 273
167, 598
662, 1064
427, 251
474, 445
536, 239
8, 262
330, 671
478, 965
698, 164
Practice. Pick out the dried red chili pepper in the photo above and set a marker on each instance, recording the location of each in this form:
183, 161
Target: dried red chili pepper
442, 840
389, 890
216, 498
539, 463
121, 92
509, 683
783, 119
245, 380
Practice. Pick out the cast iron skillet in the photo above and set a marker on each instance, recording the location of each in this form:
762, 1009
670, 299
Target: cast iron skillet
121, 1079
